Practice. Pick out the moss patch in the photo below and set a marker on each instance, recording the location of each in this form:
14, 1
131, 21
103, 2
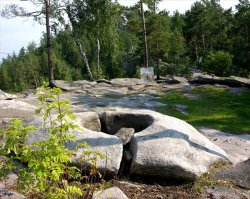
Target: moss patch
206, 180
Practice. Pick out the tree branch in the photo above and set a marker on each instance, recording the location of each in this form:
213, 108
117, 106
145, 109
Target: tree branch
14, 10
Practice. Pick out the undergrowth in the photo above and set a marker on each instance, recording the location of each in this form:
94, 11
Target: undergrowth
46, 169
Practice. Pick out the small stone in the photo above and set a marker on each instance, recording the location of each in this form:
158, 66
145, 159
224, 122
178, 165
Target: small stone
110, 193
125, 134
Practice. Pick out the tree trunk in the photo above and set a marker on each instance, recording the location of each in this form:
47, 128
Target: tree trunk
203, 43
84, 57
79, 44
196, 51
155, 6
98, 52
50, 64
157, 62
247, 36
145, 47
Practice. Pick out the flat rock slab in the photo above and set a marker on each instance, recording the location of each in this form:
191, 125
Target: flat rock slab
16, 109
232, 81
238, 91
240, 173
124, 82
108, 91
192, 96
241, 80
164, 146
112, 102
182, 108
6, 96
225, 193
72, 86
173, 80
182, 86
237, 147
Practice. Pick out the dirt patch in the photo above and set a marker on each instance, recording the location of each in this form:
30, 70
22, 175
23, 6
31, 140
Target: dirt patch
135, 190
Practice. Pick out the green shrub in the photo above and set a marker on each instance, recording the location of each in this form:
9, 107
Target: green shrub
49, 172
173, 69
218, 63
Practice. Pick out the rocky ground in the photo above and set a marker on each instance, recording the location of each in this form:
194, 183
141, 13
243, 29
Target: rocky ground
127, 94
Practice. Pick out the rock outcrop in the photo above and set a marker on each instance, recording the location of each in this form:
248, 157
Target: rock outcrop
232, 81
163, 146
6, 96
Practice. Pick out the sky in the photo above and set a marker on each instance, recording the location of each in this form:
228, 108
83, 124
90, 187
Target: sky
18, 32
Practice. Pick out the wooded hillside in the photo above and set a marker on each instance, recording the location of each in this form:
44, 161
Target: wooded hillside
102, 39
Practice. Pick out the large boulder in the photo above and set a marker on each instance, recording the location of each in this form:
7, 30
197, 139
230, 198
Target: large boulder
164, 146
108, 145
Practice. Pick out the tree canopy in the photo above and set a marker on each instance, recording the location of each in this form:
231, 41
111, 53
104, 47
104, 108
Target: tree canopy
103, 39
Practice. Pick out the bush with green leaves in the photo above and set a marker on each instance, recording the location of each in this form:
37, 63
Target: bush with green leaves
49, 172
175, 69
219, 63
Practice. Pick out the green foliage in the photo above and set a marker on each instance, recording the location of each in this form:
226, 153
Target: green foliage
218, 63
240, 37
214, 107
98, 73
178, 40
175, 69
50, 173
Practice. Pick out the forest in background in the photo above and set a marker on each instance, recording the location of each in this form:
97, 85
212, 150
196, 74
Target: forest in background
102, 39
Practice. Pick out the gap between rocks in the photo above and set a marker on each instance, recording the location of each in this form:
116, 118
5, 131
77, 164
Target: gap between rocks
124, 126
